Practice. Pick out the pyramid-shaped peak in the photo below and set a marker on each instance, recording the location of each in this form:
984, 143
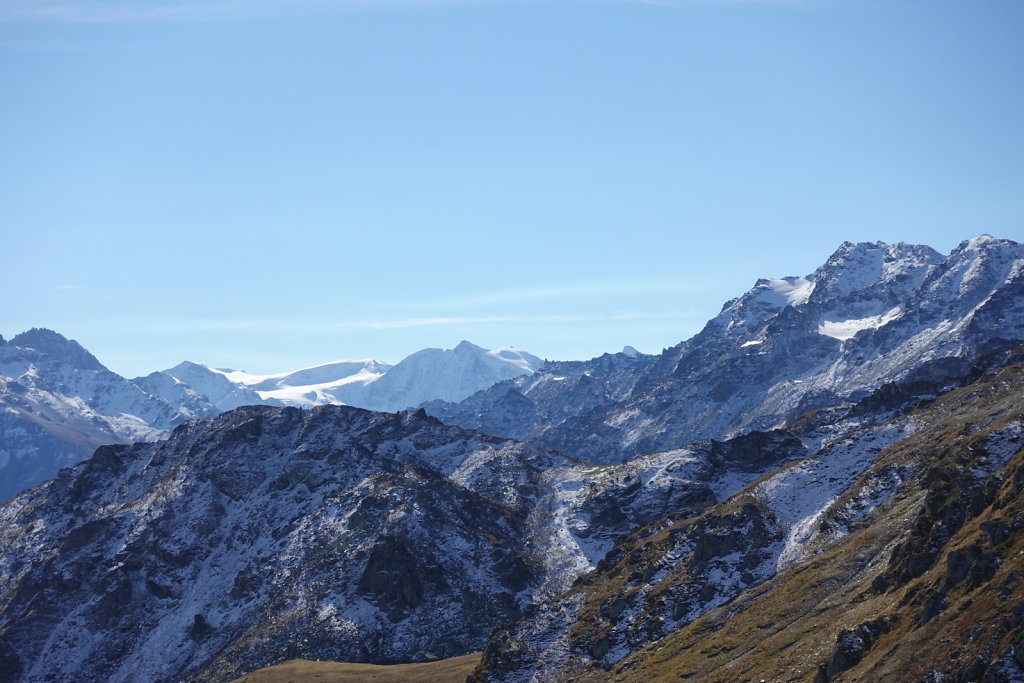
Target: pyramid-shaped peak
57, 347
466, 346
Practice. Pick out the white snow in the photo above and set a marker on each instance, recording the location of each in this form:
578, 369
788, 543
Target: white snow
797, 496
327, 372
756, 342
846, 329
519, 359
792, 290
318, 394
426, 375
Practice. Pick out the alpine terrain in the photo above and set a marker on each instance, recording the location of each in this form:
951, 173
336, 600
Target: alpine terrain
59, 403
873, 313
822, 485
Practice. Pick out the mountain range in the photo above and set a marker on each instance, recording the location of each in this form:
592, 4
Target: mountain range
873, 313
822, 485
59, 403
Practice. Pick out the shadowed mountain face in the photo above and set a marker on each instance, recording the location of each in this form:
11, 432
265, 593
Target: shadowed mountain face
872, 314
212, 551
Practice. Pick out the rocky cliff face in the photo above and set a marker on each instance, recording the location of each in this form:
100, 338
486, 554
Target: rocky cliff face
870, 315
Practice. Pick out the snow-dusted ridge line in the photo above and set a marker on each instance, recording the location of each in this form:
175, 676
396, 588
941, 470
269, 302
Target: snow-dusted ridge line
59, 402
872, 314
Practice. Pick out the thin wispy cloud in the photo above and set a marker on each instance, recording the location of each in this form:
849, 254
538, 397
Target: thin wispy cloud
555, 292
684, 3
120, 11
474, 320
170, 325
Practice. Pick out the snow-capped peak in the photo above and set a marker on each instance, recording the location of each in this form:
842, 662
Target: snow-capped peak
445, 374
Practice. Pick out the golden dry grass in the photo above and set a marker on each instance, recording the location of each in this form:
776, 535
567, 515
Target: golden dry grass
452, 670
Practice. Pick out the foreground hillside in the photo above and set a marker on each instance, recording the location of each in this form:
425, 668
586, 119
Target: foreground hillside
270, 533
273, 533
927, 585
909, 568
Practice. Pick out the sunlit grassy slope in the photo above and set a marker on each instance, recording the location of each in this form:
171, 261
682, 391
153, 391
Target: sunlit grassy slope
452, 670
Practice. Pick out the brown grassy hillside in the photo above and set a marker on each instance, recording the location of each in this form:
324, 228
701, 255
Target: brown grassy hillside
928, 589
452, 670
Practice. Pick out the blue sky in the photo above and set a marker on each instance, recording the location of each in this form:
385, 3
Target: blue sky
266, 185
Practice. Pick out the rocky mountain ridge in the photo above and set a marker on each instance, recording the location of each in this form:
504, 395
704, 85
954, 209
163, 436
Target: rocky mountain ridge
332, 533
860, 519
870, 315
273, 533
58, 403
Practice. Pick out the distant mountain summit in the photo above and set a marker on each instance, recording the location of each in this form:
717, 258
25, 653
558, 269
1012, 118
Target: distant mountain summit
430, 374
58, 403
443, 374
46, 347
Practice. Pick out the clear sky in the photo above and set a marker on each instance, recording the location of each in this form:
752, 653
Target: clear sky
265, 184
